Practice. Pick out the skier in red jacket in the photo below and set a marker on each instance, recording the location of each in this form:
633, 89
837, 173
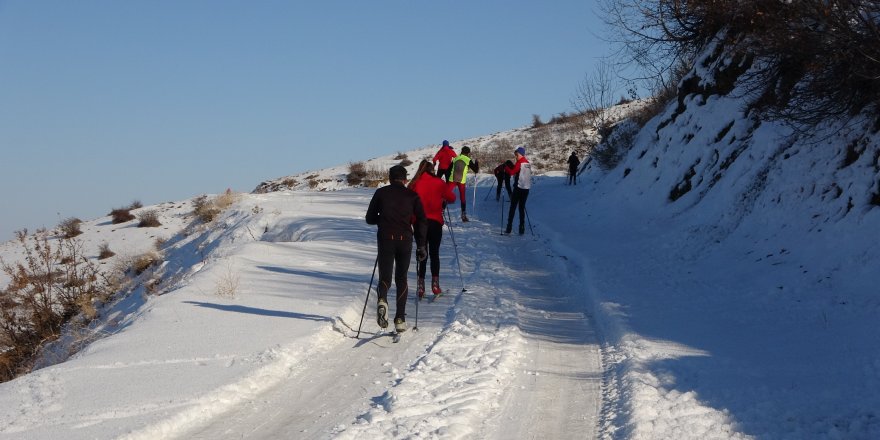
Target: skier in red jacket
443, 161
433, 192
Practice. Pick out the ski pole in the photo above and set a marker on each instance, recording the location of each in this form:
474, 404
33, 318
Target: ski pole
418, 298
368, 297
490, 190
455, 248
474, 203
503, 201
529, 220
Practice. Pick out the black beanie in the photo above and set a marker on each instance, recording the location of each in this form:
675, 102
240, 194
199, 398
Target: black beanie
397, 172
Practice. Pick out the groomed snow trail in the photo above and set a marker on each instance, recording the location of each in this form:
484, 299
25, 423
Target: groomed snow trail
556, 392
513, 356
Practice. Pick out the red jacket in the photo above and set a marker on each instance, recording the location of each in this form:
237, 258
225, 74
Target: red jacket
433, 191
444, 156
517, 166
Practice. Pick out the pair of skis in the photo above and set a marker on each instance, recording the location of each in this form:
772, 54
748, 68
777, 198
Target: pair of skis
395, 335
433, 297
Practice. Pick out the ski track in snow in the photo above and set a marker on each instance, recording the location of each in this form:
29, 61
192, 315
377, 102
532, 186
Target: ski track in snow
515, 355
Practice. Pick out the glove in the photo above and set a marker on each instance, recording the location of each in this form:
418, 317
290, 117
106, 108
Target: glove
421, 253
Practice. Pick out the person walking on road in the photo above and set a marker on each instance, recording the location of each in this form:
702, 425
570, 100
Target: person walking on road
443, 160
573, 163
434, 194
393, 208
522, 172
460, 166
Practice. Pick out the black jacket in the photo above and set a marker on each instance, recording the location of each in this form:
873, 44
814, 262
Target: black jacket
393, 208
573, 162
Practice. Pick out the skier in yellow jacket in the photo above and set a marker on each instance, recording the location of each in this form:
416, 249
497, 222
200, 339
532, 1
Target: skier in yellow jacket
458, 177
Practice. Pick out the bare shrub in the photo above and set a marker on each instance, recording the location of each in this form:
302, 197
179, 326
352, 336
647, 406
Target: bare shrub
86, 306
271, 186
357, 171
53, 284
69, 227
401, 156
153, 284
159, 243
227, 284
206, 209
104, 251
536, 121
225, 200
116, 278
142, 262
121, 215
135, 204
405, 163
148, 219
494, 153
615, 144
203, 209
375, 176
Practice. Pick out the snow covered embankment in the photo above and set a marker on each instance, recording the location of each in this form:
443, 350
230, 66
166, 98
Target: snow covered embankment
736, 269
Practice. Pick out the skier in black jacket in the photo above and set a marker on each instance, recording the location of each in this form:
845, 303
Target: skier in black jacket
394, 208
573, 163
502, 176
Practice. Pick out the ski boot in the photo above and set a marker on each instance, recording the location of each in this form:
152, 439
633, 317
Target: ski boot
464, 217
420, 289
399, 325
522, 229
508, 228
382, 313
435, 286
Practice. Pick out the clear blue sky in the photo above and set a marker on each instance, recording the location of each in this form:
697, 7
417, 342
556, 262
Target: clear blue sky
105, 102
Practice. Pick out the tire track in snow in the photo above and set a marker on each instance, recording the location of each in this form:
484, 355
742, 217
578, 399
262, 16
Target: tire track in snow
556, 391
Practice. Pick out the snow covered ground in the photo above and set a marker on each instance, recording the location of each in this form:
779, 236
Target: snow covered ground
691, 346
279, 360
745, 308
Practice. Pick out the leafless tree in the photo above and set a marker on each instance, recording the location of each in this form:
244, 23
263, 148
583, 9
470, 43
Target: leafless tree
595, 94
815, 59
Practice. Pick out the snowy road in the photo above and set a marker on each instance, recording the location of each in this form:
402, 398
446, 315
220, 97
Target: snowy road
514, 356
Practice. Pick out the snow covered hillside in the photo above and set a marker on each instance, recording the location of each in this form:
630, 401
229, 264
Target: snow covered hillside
737, 270
720, 282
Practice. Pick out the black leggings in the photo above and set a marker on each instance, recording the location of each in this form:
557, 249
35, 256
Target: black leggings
394, 253
506, 179
444, 173
519, 199
435, 236
572, 176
